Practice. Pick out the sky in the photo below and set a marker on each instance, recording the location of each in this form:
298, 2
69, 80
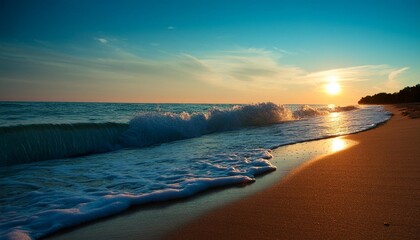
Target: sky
207, 51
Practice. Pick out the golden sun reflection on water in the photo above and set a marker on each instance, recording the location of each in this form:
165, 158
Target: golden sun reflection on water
335, 116
337, 124
337, 144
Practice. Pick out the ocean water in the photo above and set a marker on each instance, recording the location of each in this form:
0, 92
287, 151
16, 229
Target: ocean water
63, 164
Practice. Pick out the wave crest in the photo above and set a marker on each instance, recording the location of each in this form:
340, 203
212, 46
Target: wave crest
308, 111
151, 128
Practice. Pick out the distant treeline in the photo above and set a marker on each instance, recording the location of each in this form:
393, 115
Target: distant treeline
406, 95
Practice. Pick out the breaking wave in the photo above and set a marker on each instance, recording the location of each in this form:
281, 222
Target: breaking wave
30, 143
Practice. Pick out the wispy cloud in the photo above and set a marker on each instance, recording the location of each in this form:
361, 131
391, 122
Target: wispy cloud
264, 69
102, 40
171, 28
283, 51
247, 67
247, 71
348, 74
393, 75
393, 84
241, 66
116, 62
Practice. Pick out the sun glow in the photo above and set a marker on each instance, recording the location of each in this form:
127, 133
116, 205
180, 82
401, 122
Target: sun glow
332, 87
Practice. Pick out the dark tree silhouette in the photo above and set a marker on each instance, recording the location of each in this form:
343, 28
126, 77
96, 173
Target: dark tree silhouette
406, 95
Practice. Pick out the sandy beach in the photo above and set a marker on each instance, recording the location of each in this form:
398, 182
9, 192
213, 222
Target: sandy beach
368, 191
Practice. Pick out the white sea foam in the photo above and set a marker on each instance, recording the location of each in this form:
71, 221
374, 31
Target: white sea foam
79, 190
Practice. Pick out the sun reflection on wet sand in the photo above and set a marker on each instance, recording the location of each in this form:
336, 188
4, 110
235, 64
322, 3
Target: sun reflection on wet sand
338, 144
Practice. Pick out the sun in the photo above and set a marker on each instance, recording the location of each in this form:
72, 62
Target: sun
333, 87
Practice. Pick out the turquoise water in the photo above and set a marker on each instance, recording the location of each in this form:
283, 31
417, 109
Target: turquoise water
68, 163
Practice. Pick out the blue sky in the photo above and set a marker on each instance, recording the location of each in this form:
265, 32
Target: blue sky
206, 51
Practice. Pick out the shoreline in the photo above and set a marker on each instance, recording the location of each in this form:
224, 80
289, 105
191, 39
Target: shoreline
369, 191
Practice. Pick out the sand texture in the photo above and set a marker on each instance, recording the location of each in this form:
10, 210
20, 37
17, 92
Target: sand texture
368, 191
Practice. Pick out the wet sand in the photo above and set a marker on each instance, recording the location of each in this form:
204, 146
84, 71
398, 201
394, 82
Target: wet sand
368, 191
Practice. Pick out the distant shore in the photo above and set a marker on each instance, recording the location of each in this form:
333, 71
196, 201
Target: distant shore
369, 191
